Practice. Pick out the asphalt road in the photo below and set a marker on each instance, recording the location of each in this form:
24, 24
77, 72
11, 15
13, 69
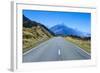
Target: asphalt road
55, 49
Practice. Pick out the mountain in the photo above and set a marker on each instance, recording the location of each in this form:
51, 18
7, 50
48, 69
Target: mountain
28, 23
34, 33
63, 30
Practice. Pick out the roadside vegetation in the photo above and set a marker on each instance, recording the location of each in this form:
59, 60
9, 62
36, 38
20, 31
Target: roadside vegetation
34, 33
85, 44
33, 37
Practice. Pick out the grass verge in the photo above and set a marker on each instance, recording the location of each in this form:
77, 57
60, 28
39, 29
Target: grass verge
84, 44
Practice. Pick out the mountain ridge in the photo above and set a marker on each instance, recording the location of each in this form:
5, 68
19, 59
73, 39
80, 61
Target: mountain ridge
63, 30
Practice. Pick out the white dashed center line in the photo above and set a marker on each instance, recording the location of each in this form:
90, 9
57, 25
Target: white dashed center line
59, 52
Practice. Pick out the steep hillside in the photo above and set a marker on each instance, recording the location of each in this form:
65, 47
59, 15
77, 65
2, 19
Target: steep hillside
34, 33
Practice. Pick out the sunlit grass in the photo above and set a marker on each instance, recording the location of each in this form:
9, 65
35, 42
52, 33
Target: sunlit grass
33, 38
84, 44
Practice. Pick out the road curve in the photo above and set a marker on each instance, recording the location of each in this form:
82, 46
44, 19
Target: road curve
55, 49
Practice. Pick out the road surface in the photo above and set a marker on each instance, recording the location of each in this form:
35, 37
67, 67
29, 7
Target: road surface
55, 49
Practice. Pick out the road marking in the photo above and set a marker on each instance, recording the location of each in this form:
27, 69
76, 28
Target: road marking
59, 52
80, 48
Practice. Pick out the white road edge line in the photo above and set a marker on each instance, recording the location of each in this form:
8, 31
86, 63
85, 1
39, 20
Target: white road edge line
28, 51
80, 48
36, 47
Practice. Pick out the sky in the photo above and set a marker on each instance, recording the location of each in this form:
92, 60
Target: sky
76, 20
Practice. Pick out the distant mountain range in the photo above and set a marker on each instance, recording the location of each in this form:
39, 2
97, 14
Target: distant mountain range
63, 30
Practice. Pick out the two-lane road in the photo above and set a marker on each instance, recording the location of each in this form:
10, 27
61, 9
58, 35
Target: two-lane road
55, 49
